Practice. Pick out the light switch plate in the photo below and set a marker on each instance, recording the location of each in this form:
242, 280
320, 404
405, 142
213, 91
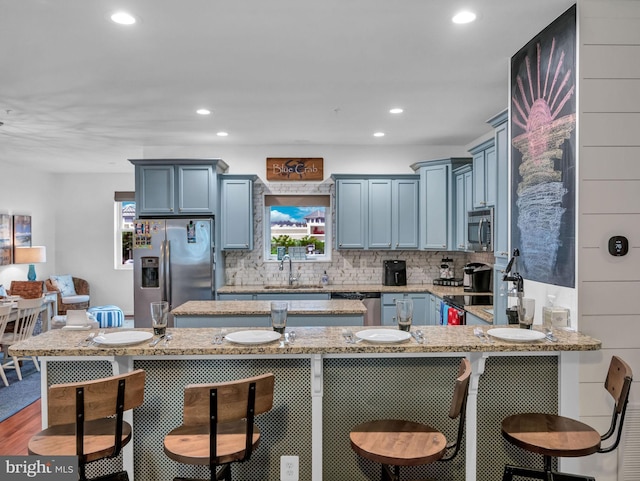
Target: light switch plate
289, 468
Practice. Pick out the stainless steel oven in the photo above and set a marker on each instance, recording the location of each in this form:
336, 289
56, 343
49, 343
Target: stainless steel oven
480, 230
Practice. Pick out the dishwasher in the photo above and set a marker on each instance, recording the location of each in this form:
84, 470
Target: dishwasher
371, 301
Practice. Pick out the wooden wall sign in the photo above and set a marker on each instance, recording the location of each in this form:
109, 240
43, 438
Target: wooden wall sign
288, 169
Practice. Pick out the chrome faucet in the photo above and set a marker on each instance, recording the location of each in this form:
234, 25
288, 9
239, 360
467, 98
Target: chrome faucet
291, 278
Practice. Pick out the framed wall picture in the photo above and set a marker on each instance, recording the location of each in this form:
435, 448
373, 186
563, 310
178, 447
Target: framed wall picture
21, 231
6, 240
543, 153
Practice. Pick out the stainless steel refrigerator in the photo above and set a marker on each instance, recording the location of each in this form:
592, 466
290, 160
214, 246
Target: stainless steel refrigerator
174, 261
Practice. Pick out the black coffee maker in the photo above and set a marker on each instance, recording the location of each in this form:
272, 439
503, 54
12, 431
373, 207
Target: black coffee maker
477, 277
394, 273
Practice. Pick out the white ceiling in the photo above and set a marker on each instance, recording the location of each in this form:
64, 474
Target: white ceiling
79, 93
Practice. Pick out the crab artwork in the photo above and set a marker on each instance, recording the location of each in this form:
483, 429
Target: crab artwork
543, 86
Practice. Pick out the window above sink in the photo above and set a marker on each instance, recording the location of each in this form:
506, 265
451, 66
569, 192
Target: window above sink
301, 222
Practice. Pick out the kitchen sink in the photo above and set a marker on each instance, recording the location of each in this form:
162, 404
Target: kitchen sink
294, 286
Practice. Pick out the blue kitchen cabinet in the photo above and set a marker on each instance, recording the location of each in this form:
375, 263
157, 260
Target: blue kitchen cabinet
463, 185
377, 212
380, 214
405, 209
168, 187
236, 212
421, 308
436, 202
501, 211
351, 213
484, 174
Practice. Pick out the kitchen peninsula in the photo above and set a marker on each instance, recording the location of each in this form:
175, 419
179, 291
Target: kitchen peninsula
324, 386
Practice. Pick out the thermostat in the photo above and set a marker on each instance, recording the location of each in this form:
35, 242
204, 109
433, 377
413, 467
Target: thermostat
618, 246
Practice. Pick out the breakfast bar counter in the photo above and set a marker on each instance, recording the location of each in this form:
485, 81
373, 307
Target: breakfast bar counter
325, 386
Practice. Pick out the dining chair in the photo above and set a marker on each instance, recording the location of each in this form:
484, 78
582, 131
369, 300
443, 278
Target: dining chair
86, 420
26, 318
556, 436
395, 442
5, 313
218, 424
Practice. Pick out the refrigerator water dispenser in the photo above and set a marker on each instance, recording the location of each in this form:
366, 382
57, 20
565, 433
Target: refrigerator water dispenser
150, 272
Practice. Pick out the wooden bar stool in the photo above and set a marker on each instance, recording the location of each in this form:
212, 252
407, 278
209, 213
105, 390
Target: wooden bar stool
82, 422
217, 426
558, 436
394, 443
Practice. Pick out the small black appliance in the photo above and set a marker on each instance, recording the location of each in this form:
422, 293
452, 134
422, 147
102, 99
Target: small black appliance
394, 273
477, 277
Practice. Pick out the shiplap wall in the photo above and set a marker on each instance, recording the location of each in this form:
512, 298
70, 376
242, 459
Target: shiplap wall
609, 204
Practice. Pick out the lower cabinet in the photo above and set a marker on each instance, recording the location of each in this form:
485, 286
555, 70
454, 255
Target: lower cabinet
472, 320
421, 308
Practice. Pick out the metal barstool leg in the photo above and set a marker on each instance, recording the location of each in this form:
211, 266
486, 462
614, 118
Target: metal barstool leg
508, 473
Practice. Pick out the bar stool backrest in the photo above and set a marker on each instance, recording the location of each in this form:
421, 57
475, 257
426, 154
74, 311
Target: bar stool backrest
100, 397
232, 399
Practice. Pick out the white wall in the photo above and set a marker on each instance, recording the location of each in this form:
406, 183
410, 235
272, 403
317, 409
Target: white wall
84, 234
344, 159
25, 192
609, 204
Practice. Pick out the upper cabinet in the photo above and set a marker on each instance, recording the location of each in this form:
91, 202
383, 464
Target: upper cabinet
484, 174
436, 205
236, 212
376, 212
463, 185
501, 211
175, 187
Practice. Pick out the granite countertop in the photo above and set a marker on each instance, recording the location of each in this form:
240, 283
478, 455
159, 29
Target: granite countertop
309, 340
439, 291
263, 308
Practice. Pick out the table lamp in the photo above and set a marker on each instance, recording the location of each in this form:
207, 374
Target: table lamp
31, 256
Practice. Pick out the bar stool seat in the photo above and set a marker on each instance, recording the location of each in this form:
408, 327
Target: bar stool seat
551, 435
398, 442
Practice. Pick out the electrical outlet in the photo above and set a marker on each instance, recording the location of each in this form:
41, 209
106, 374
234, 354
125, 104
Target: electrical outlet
289, 468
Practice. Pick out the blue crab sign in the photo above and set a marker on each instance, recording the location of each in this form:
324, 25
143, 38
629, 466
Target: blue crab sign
294, 169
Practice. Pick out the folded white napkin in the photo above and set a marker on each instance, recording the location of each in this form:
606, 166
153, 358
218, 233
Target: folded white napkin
77, 317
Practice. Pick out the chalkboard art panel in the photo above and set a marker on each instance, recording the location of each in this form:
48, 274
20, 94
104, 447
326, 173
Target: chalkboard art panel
543, 147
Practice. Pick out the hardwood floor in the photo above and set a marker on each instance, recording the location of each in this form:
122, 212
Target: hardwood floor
16, 431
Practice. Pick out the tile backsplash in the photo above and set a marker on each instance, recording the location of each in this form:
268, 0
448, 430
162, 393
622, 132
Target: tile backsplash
346, 267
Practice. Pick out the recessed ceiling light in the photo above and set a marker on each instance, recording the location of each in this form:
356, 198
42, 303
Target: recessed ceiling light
396, 110
379, 134
464, 16
203, 111
123, 18
222, 134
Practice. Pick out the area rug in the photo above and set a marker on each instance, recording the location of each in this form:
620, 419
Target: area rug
19, 394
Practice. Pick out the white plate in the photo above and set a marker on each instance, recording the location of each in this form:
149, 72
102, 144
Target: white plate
252, 337
122, 338
76, 327
383, 335
516, 334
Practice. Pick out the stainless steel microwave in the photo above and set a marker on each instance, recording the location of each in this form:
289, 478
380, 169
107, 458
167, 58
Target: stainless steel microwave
480, 230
